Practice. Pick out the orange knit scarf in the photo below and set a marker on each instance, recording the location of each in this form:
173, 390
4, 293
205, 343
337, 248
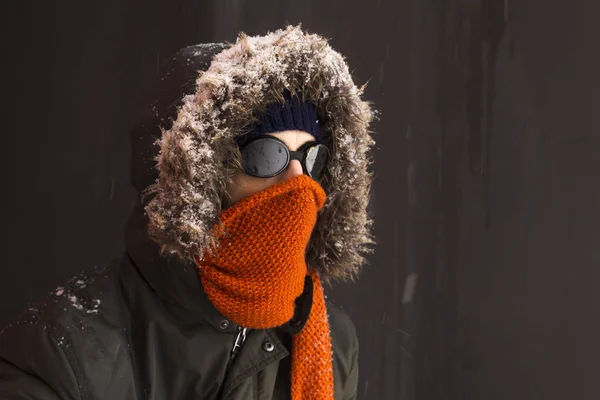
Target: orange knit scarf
258, 271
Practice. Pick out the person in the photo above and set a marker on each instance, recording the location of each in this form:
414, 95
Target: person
252, 165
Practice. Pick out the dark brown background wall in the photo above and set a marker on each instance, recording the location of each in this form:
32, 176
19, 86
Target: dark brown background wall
486, 200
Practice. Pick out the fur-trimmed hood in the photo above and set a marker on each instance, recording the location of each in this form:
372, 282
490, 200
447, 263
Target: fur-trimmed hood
196, 151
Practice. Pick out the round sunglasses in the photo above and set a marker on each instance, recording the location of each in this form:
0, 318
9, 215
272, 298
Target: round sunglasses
266, 157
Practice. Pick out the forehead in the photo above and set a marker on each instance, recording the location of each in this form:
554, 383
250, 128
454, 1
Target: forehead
293, 136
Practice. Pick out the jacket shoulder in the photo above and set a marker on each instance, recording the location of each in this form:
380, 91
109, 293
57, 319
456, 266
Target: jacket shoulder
79, 320
342, 329
344, 343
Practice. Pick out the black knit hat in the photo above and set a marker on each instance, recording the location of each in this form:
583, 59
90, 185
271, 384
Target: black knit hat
293, 114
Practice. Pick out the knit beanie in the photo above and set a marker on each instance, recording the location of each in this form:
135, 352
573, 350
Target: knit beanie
292, 114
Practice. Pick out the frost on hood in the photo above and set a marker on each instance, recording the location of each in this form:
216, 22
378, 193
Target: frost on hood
196, 152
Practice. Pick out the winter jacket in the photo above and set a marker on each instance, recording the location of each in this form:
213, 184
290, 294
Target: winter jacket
143, 327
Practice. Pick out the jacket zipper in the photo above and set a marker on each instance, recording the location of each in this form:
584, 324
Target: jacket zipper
240, 338
239, 341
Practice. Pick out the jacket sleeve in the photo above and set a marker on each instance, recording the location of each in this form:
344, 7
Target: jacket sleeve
34, 365
16, 384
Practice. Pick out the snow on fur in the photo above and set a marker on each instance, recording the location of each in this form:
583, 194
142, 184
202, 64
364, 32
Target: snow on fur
198, 152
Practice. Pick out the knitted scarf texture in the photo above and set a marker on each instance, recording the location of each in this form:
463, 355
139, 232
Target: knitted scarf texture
257, 271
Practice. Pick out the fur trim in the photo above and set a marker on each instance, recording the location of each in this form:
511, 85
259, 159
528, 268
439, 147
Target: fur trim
195, 160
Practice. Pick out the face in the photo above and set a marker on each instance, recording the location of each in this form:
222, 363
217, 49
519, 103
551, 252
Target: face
244, 185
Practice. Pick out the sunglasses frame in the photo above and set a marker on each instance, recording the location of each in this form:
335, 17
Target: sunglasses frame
301, 155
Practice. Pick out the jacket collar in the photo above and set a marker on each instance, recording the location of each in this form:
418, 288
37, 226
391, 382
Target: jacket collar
178, 285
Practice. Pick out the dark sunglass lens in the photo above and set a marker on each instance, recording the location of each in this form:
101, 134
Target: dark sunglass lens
264, 157
316, 161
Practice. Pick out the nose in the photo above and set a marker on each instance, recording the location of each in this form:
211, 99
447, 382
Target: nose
293, 169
